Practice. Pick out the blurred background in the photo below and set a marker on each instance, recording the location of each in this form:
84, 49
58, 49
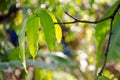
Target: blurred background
80, 54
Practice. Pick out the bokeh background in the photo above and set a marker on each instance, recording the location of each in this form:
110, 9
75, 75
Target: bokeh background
79, 56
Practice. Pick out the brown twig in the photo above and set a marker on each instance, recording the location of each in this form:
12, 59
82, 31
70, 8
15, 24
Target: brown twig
95, 22
70, 15
81, 21
109, 38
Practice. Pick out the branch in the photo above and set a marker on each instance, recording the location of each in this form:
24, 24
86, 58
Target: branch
109, 38
70, 15
81, 21
95, 22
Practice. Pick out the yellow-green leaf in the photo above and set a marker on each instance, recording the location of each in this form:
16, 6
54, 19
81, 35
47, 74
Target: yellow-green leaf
32, 32
58, 30
21, 39
41, 38
48, 28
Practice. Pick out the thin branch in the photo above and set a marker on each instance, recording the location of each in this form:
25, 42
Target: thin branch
107, 48
95, 22
81, 21
70, 16
109, 38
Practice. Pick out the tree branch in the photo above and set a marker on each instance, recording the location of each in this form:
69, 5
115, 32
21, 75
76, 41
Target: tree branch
70, 16
81, 21
95, 22
109, 38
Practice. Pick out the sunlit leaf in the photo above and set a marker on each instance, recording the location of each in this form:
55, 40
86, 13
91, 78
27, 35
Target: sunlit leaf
58, 30
48, 28
49, 75
32, 32
21, 38
41, 38
43, 74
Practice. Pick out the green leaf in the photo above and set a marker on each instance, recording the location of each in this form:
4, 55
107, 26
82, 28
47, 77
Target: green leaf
114, 53
41, 38
13, 55
32, 32
48, 28
21, 39
102, 29
43, 74
58, 30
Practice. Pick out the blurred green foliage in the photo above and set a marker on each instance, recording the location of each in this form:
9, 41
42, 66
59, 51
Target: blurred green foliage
79, 56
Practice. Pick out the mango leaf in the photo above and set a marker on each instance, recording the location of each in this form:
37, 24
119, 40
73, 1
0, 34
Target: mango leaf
32, 32
58, 30
21, 39
48, 28
102, 29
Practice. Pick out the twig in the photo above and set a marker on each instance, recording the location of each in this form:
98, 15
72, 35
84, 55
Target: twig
95, 22
83, 21
80, 21
70, 16
107, 49
109, 38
